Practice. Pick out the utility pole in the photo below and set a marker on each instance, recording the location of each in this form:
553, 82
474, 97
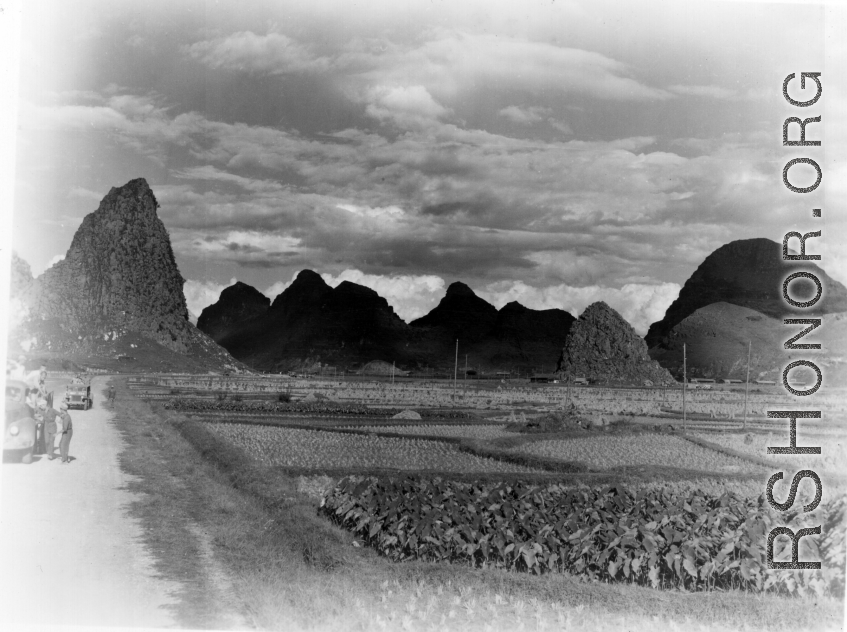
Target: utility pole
392, 371
747, 386
684, 384
456, 370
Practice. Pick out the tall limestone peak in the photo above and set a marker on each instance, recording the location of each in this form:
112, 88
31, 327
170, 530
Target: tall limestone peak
457, 288
747, 273
119, 272
603, 347
116, 299
237, 303
307, 289
460, 314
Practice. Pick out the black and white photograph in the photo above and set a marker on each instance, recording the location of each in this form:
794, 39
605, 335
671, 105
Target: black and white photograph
419, 315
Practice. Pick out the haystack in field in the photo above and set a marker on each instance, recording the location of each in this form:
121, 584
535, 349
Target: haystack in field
407, 414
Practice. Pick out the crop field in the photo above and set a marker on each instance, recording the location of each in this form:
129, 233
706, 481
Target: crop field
831, 460
316, 450
607, 452
490, 431
601, 513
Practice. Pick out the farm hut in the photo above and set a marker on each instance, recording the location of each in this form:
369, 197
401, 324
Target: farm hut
764, 382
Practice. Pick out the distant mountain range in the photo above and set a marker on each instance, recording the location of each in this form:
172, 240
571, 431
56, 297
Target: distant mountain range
732, 299
118, 297
350, 325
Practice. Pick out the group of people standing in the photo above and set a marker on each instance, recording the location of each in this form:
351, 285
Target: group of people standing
48, 420
50, 423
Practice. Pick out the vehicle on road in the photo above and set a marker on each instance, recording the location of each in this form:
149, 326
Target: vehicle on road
78, 396
19, 433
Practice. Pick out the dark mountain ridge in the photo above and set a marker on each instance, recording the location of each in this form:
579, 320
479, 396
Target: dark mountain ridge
350, 325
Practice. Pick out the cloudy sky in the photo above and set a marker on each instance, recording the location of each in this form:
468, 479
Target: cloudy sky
554, 153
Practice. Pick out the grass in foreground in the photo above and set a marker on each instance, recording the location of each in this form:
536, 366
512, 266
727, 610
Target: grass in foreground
289, 569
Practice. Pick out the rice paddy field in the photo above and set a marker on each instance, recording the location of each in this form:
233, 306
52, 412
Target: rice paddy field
607, 452
313, 449
832, 460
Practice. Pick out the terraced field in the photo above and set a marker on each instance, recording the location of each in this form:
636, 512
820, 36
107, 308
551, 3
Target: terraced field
318, 450
831, 461
606, 452
492, 431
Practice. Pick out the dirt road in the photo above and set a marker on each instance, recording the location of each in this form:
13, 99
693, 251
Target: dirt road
69, 553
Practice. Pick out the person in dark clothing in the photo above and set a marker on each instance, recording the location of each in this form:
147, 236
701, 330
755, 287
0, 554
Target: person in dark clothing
42, 414
67, 432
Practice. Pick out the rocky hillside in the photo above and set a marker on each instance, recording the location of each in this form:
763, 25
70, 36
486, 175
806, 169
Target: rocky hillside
716, 339
748, 273
237, 303
118, 279
604, 348
351, 325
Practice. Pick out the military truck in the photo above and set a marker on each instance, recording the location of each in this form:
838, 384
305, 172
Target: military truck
78, 396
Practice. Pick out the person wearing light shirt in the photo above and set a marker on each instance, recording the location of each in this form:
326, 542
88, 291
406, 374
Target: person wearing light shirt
67, 431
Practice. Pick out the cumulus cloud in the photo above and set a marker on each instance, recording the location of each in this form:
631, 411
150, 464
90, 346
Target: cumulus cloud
213, 174
410, 295
525, 115
562, 126
201, 294
37, 270
56, 259
406, 106
639, 303
277, 288
273, 53
449, 61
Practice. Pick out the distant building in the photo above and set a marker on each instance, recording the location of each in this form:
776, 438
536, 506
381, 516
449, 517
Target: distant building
544, 378
764, 382
728, 381
702, 380
580, 381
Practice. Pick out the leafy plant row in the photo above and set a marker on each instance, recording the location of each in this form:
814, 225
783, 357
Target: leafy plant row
321, 408
656, 537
